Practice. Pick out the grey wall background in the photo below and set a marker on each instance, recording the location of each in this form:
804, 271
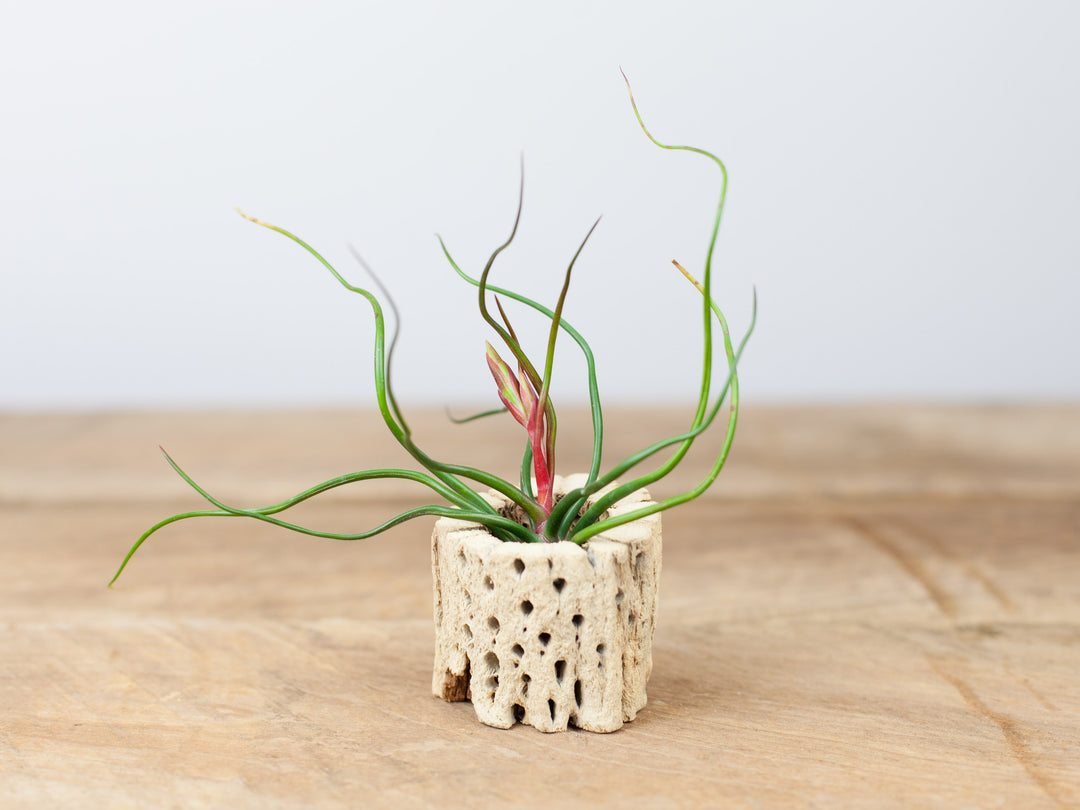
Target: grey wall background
905, 193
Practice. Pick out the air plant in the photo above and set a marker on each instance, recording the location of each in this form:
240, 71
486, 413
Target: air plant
577, 515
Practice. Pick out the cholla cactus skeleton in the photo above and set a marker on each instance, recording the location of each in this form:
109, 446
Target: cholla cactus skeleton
525, 396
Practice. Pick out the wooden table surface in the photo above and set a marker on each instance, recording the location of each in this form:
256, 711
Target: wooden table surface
875, 606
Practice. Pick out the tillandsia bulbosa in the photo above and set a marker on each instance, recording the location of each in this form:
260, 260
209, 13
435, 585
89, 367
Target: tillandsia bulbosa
526, 396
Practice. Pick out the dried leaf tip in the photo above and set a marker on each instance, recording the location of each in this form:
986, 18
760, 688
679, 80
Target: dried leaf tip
689, 277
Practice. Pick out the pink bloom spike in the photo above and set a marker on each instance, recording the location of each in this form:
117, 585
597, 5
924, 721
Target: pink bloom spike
528, 395
537, 428
508, 386
522, 400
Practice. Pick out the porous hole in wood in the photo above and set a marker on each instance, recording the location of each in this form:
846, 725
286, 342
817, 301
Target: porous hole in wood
518, 650
461, 559
631, 619
619, 597
491, 661
489, 584
600, 651
638, 560
519, 566
559, 584
493, 624
526, 607
578, 620
468, 633
577, 693
545, 638
525, 684
560, 670
515, 513
551, 708
519, 712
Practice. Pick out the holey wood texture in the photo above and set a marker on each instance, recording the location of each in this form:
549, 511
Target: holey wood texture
874, 607
547, 634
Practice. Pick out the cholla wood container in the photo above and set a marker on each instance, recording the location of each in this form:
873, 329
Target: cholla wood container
547, 634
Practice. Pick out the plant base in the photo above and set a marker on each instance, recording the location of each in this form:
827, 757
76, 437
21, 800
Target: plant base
547, 634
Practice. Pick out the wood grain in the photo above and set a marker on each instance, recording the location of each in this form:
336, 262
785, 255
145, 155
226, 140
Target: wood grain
875, 607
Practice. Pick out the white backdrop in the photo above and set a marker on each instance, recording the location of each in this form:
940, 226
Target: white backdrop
905, 195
